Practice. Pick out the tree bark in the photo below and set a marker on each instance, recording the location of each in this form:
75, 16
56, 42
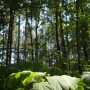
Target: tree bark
84, 35
25, 41
10, 36
18, 41
31, 38
67, 42
78, 37
36, 47
56, 30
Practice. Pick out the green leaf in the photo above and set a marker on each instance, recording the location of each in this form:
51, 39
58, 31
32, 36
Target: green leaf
34, 77
17, 75
20, 89
28, 79
42, 86
80, 85
10, 81
39, 77
24, 74
58, 83
63, 82
86, 78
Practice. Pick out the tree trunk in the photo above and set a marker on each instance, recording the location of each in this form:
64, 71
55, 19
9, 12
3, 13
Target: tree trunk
3, 49
56, 30
18, 41
10, 35
31, 38
64, 54
84, 36
78, 38
67, 42
36, 48
25, 41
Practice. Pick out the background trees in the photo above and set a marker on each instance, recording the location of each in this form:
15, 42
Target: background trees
54, 33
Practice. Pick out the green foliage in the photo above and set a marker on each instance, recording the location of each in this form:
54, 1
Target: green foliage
86, 79
80, 85
55, 71
63, 82
42, 86
33, 67
26, 80
23, 79
4, 72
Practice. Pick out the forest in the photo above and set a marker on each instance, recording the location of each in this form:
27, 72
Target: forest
44, 44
